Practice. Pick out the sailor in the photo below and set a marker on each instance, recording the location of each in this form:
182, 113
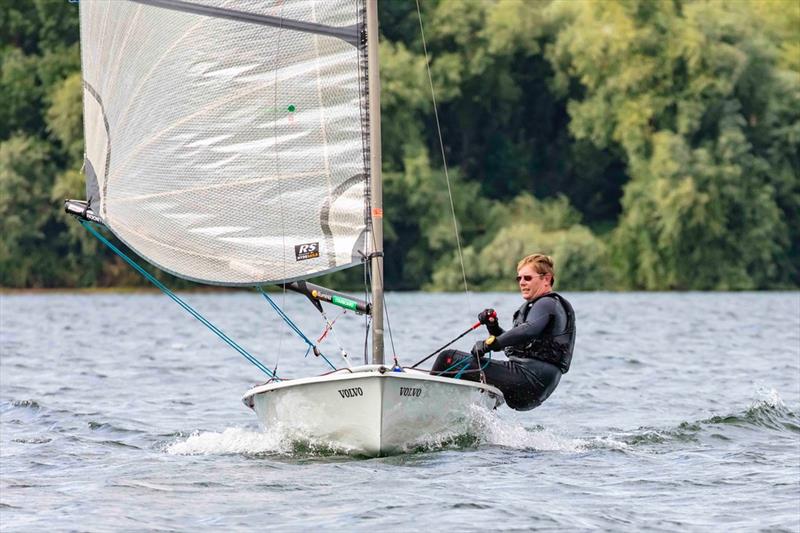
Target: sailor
538, 346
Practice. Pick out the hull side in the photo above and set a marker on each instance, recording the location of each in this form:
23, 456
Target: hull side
342, 414
371, 412
416, 412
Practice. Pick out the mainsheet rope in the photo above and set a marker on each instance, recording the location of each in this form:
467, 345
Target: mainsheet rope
149, 277
465, 362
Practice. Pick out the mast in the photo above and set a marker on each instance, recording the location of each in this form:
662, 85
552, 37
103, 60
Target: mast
376, 185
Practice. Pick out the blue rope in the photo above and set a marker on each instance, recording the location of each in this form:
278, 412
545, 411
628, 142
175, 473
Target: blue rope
294, 327
465, 363
177, 300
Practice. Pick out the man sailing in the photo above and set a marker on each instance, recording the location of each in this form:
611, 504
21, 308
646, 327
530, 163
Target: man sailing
538, 346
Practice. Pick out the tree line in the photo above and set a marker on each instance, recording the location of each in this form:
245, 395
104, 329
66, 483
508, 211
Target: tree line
646, 145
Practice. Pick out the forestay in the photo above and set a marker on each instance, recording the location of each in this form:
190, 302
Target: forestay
227, 142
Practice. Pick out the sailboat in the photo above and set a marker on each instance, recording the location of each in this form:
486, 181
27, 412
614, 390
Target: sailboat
238, 144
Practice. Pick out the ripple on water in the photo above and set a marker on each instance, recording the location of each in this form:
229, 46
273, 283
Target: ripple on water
25, 404
768, 412
32, 440
638, 434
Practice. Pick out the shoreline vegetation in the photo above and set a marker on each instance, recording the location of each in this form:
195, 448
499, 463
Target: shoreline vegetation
645, 145
6, 291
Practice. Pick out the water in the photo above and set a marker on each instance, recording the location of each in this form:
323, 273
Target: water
121, 412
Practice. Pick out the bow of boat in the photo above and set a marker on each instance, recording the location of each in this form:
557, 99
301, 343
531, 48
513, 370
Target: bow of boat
372, 409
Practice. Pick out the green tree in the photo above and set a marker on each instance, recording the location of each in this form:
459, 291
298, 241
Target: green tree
65, 117
526, 226
405, 101
18, 26
419, 220
26, 177
39, 49
20, 93
679, 87
501, 123
671, 129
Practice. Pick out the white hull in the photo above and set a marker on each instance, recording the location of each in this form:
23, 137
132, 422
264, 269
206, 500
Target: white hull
371, 410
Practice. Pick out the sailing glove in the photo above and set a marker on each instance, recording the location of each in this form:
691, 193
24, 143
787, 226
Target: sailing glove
488, 317
481, 348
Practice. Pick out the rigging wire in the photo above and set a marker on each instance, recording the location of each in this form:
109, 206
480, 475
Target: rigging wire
149, 277
366, 315
295, 328
383, 298
444, 158
444, 163
329, 329
386, 313
389, 329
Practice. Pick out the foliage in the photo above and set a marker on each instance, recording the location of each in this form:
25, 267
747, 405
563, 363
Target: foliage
26, 176
420, 222
683, 90
551, 227
643, 144
64, 117
405, 99
20, 95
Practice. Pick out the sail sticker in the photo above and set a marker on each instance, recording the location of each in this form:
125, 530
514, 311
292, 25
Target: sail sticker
377, 212
306, 251
344, 302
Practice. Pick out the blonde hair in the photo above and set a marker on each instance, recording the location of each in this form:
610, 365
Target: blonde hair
542, 264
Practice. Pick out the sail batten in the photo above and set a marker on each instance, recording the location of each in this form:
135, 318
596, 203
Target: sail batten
223, 151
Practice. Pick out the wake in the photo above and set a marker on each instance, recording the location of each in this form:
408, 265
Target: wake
486, 428
767, 413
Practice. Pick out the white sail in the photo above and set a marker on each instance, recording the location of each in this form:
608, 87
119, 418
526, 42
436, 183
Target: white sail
228, 141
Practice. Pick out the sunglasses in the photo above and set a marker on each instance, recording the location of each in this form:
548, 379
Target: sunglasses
528, 278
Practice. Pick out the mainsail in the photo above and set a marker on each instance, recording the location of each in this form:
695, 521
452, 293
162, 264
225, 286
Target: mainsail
227, 142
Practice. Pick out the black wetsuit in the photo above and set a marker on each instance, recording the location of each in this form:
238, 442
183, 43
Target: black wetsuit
539, 349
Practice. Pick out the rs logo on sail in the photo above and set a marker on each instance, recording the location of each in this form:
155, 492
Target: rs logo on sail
351, 393
305, 251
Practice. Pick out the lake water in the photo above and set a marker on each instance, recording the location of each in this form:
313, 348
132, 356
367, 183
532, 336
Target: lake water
121, 412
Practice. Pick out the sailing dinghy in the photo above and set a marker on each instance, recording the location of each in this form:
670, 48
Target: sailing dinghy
238, 144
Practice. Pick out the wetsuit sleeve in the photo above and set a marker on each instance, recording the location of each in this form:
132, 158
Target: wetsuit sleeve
537, 320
